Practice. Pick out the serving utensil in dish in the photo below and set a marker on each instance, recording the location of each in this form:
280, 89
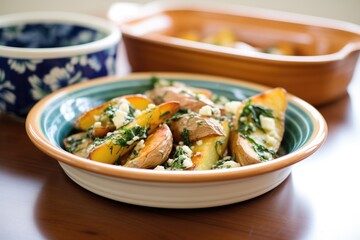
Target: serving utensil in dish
319, 69
51, 120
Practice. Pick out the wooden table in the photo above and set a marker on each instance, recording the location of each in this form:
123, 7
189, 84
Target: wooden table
319, 200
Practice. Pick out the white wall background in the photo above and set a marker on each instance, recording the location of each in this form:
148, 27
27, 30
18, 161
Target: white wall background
346, 10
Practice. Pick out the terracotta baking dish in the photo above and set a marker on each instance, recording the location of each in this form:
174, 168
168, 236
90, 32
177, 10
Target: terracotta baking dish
324, 56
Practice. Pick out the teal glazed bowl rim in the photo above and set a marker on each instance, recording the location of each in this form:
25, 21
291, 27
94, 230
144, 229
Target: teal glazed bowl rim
50, 120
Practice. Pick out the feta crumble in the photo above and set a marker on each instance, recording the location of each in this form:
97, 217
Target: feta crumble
209, 111
187, 163
232, 107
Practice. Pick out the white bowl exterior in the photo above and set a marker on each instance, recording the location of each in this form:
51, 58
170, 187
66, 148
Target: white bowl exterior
176, 195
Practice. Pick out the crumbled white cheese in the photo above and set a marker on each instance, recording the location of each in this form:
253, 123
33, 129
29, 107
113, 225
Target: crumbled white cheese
219, 100
270, 140
267, 155
232, 107
267, 123
202, 97
121, 113
199, 142
119, 118
187, 163
209, 111
137, 113
150, 106
205, 110
170, 161
159, 168
124, 107
97, 124
243, 119
140, 145
133, 140
187, 151
231, 164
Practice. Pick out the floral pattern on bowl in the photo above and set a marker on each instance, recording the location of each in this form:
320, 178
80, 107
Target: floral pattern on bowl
27, 78
47, 35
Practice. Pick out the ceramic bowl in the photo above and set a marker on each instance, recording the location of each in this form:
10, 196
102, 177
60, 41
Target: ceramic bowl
50, 120
319, 70
41, 52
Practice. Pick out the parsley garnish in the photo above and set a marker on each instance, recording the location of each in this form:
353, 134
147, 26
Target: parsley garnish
129, 134
185, 137
249, 120
74, 143
220, 164
179, 114
178, 162
252, 114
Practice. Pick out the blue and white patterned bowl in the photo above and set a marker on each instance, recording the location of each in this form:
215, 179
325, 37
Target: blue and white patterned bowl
50, 121
41, 52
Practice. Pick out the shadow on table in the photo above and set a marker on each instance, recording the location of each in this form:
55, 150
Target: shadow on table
64, 209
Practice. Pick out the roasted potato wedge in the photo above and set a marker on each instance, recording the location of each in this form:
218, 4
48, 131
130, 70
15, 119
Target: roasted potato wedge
186, 97
259, 127
78, 144
101, 131
209, 149
87, 119
192, 127
117, 144
155, 151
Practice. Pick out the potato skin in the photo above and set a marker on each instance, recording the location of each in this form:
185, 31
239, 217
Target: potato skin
198, 127
156, 150
242, 150
186, 101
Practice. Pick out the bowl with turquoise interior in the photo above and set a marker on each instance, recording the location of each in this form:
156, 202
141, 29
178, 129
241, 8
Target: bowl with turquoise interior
51, 119
41, 52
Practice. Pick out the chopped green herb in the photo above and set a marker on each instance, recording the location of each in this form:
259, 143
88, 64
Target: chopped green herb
110, 111
261, 150
129, 135
185, 137
199, 122
218, 146
74, 143
164, 114
177, 163
251, 113
221, 163
248, 121
117, 162
179, 114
